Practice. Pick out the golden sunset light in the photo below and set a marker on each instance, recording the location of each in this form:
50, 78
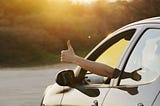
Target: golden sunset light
117, 0
91, 1
111, 0
35, 31
83, 1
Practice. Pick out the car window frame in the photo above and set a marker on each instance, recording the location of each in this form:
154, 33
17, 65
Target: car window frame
143, 30
97, 51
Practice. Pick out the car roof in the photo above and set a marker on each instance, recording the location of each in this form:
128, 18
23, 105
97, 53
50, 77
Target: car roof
154, 20
147, 21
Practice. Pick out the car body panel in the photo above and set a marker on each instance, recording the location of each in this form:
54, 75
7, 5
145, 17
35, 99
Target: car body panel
53, 95
84, 96
157, 100
144, 94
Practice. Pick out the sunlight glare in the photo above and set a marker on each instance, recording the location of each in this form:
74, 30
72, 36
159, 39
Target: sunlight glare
117, 0
111, 0
83, 1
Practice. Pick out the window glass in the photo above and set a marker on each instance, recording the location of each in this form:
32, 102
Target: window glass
145, 58
112, 54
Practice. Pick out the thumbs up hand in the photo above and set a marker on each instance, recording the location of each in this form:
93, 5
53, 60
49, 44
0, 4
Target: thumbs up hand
68, 55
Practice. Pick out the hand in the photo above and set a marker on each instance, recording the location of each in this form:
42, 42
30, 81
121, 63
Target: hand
135, 75
68, 55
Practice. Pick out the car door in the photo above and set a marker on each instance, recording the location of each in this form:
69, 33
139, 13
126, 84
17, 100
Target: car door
109, 52
157, 100
142, 88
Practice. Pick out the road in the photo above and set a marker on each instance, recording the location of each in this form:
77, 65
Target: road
25, 86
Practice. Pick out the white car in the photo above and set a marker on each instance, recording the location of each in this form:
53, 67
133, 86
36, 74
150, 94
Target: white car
133, 50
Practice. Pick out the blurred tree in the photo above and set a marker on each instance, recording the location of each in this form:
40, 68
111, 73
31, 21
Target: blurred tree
32, 31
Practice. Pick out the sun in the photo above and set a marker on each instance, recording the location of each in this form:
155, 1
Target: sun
83, 1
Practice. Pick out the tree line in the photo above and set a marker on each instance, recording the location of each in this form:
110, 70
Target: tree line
34, 32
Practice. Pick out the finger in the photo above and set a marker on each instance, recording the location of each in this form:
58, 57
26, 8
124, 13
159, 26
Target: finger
138, 70
64, 51
69, 45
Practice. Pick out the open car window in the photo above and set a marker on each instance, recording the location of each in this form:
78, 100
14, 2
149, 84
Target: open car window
110, 55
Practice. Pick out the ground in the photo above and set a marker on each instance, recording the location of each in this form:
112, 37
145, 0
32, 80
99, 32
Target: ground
25, 86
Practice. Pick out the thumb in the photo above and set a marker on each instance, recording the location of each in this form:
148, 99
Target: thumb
69, 45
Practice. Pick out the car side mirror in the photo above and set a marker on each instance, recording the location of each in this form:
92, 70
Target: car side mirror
66, 78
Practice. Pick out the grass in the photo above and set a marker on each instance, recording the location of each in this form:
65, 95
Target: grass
37, 59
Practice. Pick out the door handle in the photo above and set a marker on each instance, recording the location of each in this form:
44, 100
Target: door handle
95, 103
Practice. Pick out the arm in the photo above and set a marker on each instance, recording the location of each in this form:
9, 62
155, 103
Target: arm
94, 67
